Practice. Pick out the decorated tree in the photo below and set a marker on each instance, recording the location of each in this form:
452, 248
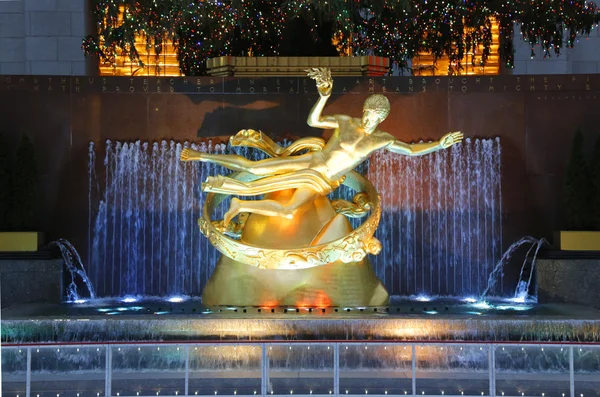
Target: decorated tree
397, 29
576, 192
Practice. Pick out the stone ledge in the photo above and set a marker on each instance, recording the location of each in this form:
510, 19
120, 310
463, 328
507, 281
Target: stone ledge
28, 281
569, 281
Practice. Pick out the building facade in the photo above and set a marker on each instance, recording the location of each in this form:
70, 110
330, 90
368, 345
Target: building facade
43, 37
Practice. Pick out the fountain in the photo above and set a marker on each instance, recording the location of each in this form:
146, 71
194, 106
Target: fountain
417, 258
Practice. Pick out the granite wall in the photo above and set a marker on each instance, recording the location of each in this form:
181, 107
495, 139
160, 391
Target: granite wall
43, 36
572, 281
25, 281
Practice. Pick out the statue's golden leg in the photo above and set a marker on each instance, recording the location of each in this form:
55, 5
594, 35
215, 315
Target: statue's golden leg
288, 209
271, 166
292, 180
230, 161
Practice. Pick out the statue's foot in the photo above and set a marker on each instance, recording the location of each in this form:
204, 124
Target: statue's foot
212, 182
221, 226
188, 154
234, 209
244, 136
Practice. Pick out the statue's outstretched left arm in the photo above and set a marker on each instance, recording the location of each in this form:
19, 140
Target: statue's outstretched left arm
419, 149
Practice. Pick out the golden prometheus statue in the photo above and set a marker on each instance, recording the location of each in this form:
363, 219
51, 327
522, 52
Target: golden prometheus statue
295, 247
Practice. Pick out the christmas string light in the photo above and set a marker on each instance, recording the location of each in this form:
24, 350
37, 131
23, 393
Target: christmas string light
400, 30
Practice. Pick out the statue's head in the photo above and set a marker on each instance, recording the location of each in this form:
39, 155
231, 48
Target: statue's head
375, 110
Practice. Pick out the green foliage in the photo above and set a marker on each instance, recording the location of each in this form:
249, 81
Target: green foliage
595, 186
397, 29
24, 187
5, 171
576, 191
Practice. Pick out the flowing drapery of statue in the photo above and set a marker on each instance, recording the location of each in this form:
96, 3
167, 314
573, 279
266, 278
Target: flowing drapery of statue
294, 246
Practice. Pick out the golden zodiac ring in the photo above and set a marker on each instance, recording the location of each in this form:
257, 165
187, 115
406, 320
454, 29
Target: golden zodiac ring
351, 248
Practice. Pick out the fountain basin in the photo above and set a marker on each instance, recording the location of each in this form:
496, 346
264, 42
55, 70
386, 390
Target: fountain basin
159, 320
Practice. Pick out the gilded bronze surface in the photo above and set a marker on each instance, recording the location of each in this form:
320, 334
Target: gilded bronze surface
295, 227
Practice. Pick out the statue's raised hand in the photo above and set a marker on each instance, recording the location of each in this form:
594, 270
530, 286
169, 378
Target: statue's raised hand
322, 76
450, 139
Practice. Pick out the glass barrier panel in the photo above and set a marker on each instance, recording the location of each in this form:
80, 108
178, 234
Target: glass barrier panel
14, 368
225, 369
532, 371
148, 370
375, 369
586, 365
452, 370
300, 369
68, 371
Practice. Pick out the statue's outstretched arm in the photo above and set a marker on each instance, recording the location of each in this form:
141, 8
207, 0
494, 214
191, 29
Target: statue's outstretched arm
419, 149
324, 85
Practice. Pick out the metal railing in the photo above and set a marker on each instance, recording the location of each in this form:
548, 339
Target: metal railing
301, 368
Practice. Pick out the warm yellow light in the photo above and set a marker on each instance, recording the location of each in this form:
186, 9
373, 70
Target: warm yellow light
423, 64
166, 64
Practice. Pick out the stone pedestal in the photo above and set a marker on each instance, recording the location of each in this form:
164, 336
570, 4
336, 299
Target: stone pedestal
30, 281
335, 284
569, 281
